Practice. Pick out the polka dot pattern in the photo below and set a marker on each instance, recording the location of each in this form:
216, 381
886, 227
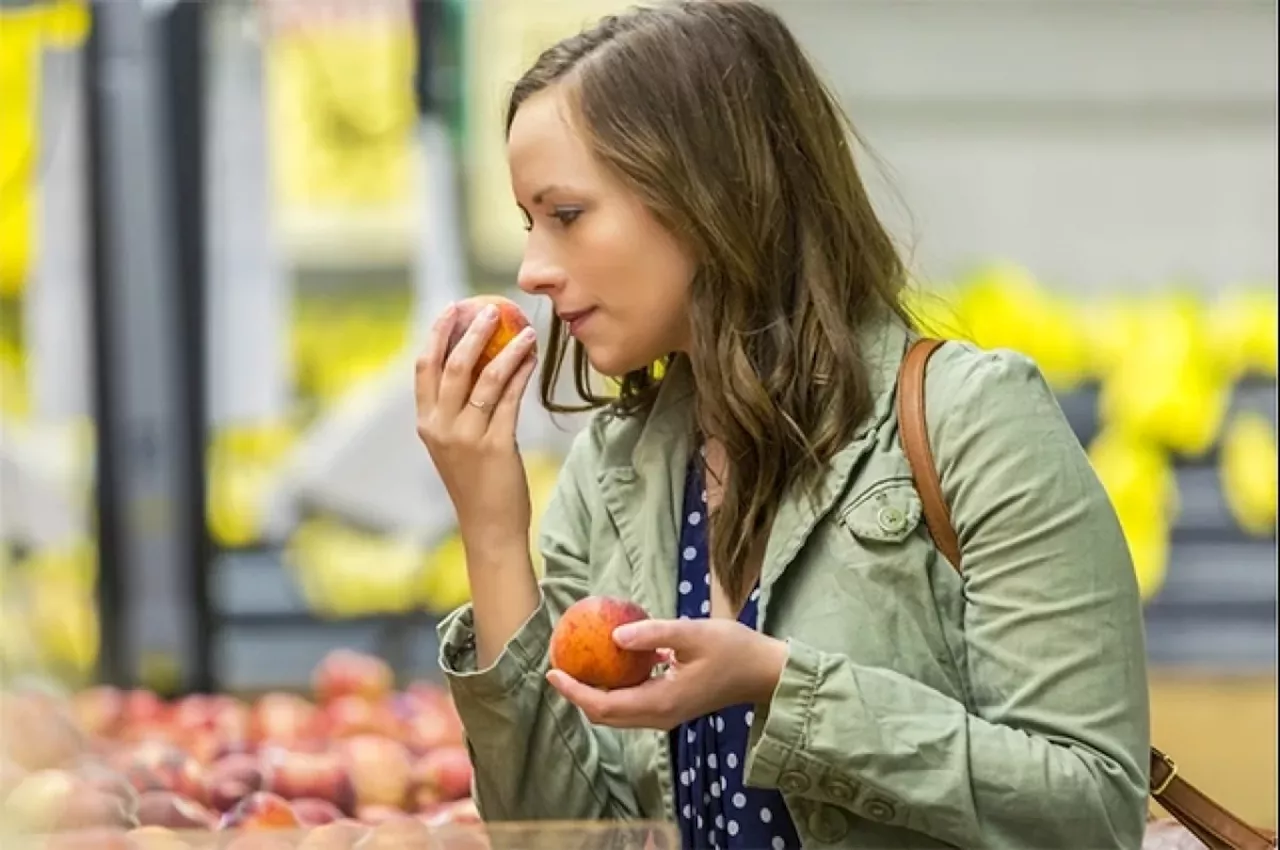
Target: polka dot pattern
715, 806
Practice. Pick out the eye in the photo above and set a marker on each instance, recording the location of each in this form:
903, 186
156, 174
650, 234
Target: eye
566, 215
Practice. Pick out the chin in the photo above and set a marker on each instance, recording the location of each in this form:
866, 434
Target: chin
614, 364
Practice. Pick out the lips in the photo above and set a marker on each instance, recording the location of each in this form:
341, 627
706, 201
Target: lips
573, 320
570, 316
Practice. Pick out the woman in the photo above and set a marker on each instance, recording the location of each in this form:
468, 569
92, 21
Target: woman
691, 201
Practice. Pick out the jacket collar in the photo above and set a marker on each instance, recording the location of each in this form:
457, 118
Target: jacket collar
642, 479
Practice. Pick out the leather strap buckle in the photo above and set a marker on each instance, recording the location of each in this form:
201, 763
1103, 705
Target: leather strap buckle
1171, 766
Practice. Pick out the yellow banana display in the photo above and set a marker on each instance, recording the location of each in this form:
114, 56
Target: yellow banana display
242, 464
343, 572
1140, 481
1248, 473
1003, 307
1171, 386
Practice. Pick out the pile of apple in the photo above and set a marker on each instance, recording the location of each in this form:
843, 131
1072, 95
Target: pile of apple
361, 765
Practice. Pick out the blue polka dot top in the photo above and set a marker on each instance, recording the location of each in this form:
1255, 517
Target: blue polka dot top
714, 806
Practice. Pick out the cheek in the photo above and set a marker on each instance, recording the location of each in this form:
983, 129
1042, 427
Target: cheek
642, 276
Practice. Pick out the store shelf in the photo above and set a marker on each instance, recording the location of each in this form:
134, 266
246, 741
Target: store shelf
254, 654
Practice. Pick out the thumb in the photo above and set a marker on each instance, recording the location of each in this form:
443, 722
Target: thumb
654, 634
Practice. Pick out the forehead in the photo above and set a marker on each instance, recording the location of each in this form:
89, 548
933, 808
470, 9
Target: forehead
543, 144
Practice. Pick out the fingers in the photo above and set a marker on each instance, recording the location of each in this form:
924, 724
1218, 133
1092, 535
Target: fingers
507, 411
492, 382
430, 362
646, 706
460, 366
677, 635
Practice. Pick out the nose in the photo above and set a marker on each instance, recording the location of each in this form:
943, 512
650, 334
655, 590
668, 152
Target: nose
539, 273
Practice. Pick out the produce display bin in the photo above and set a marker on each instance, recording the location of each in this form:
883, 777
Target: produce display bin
538, 835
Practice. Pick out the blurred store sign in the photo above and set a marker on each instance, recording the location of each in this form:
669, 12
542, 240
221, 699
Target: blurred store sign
26, 29
503, 38
341, 121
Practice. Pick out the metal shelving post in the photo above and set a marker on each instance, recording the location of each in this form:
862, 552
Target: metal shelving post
145, 137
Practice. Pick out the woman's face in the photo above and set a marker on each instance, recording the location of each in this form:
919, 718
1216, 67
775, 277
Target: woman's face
618, 279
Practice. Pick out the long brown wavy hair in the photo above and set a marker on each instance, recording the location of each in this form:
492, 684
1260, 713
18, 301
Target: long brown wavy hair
711, 112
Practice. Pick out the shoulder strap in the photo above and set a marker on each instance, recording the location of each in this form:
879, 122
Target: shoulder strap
1214, 825
914, 435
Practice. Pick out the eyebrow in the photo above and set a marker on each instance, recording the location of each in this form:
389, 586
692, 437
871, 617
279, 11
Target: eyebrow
542, 193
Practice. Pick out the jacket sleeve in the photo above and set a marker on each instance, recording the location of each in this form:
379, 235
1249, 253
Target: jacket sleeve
1054, 748
535, 755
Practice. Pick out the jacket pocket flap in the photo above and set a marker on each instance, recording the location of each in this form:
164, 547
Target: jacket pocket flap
888, 513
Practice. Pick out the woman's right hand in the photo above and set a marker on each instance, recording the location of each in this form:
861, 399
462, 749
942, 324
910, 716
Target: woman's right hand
470, 429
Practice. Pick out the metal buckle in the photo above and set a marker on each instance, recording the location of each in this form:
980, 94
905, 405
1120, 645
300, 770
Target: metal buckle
1168, 780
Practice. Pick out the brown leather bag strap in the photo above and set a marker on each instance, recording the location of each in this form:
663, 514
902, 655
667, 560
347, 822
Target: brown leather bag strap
915, 442
1218, 828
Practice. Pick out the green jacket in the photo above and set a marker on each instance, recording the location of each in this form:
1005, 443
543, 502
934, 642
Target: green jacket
1007, 709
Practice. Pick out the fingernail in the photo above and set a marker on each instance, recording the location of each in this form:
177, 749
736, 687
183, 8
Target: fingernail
489, 312
623, 635
527, 334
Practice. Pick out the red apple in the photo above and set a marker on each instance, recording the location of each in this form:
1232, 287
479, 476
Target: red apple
226, 718
99, 711
191, 712
232, 778
344, 672
10, 775
582, 644
234, 748
100, 776
316, 812
379, 768
144, 713
37, 731
59, 801
285, 719
442, 775
349, 715
427, 691
429, 721
298, 775
164, 808
261, 811
158, 766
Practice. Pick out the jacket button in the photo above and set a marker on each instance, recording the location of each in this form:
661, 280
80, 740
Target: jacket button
891, 519
840, 791
793, 782
828, 824
880, 810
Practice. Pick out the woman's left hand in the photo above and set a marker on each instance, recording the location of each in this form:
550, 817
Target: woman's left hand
713, 664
